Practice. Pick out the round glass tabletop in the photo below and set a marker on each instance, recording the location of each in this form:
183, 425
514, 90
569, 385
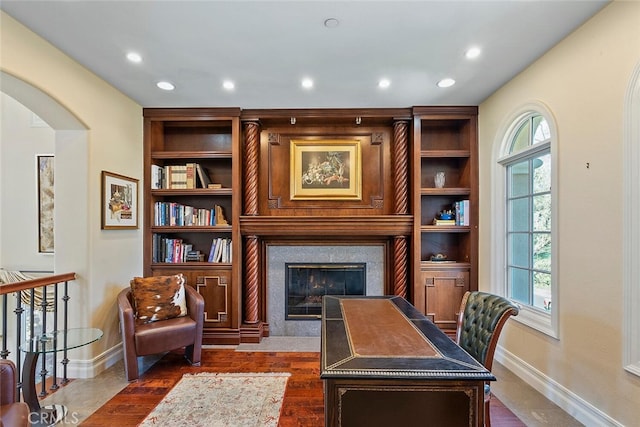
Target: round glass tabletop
61, 340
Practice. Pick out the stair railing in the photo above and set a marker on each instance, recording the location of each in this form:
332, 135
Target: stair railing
48, 295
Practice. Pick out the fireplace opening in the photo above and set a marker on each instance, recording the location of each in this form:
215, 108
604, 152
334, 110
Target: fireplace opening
307, 283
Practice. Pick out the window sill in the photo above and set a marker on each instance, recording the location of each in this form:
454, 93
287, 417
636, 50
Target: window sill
537, 320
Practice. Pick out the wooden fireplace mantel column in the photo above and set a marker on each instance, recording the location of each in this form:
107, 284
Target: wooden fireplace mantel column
251, 256
401, 203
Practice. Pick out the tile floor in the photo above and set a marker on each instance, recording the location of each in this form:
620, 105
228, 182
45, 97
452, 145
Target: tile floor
83, 396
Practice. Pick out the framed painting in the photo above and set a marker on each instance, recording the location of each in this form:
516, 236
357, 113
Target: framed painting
326, 170
119, 202
45, 170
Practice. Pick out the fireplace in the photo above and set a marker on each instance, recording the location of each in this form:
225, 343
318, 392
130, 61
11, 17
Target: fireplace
307, 283
279, 255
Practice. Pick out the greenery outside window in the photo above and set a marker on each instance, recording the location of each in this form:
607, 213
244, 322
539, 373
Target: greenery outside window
528, 276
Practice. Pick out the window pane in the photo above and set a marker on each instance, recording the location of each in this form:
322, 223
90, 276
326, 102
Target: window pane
542, 291
542, 213
519, 285
542, 251
542, 173
519, 253
519, 214
541, 129
519, 179
521, 140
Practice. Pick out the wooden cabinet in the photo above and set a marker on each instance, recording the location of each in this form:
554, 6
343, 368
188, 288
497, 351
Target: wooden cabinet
445, 256
210, 138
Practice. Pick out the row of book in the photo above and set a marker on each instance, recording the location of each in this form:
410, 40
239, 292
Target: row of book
181, 177
175, 250
220, 250
172, 214
460, 214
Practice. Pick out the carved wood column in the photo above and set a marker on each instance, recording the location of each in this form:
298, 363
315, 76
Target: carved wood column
251, 256
251, 280
401, 167
400, 266
401, 203
251, 149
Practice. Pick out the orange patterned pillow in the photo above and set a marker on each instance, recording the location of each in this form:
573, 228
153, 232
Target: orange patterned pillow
159, 297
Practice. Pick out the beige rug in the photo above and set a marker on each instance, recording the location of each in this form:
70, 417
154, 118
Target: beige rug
218, 399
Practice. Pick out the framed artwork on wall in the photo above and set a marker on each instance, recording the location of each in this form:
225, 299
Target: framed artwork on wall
45, 168
119, 202
326, 170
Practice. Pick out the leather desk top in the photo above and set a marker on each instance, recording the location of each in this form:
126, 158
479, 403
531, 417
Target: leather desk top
386, 337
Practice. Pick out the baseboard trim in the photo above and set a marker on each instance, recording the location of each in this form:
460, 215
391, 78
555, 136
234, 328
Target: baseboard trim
570, 402
77, 368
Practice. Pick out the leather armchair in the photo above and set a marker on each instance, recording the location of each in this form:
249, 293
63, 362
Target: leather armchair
163, 335
12, 412
480, 321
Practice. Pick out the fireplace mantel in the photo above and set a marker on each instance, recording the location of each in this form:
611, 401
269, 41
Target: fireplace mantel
290, 226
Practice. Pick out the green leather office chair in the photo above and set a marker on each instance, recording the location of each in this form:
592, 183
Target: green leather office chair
481, 318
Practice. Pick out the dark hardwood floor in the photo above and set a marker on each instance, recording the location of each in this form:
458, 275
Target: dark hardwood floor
303, 401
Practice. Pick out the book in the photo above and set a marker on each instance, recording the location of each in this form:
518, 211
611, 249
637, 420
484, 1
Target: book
202, 176
190, 173
444, 221
156, 177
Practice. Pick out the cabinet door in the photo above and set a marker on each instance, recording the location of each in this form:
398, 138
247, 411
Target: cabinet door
439, 295
215, 286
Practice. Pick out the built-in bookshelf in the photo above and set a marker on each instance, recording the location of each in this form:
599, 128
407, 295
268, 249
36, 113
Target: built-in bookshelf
445, 209
191, 206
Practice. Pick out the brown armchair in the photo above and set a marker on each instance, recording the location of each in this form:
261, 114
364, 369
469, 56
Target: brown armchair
12, 412
481, 318
163, 335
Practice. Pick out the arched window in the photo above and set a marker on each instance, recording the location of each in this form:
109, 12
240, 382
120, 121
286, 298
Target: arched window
526, 256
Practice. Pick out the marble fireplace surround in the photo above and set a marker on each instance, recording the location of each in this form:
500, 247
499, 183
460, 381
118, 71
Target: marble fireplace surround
277, 255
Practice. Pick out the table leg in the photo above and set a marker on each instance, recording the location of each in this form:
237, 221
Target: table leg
38, 416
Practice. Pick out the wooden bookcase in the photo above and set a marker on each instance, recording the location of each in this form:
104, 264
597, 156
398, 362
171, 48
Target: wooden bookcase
211, 138
444, 140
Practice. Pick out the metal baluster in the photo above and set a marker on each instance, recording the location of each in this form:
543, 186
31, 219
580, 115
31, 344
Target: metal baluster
65, 360
19, 312
55, 386
4, 352
43, 371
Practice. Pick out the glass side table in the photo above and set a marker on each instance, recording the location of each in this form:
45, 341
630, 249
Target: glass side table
49, 343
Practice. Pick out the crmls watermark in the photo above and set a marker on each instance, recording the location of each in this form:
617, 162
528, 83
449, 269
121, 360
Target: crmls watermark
51, 417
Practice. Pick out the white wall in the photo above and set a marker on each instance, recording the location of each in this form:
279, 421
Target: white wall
20, 143
583, 81
96, 128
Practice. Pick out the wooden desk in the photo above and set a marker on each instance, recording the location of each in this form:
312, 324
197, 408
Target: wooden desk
384, 363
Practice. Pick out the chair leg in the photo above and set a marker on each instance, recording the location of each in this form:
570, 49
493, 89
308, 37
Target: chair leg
192, 354
131, 367
487, 414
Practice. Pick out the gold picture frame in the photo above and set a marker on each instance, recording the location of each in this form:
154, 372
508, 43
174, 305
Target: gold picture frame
119, 203
326, 169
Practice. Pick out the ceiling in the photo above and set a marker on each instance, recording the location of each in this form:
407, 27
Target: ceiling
267, 47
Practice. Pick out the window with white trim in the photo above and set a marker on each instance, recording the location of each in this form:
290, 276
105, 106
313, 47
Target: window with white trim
527, 199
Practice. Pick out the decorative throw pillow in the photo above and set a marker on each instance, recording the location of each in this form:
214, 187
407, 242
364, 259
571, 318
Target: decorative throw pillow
159, 297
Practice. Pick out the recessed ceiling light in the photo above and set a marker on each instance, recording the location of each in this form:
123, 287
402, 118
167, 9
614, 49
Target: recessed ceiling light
446, 82
473, 53
384, 83
228, 85
307, 83
134, 57
331, 22
165, 86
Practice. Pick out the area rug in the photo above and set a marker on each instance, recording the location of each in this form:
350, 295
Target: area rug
220, 399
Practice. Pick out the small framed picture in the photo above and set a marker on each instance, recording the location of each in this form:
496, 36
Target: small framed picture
119, 202
325, 170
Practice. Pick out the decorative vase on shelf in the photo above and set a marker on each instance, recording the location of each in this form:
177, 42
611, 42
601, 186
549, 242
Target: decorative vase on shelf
439, 179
